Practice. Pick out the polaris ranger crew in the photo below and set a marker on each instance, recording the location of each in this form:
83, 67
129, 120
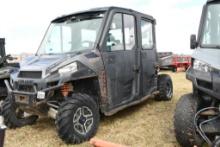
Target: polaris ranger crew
197, 115
97, 61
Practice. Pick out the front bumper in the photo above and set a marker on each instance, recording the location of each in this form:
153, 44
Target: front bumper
209, 83
28, 98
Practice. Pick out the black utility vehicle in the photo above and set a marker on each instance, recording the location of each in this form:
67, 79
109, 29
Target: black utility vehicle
97, 61
197, 115
5, 69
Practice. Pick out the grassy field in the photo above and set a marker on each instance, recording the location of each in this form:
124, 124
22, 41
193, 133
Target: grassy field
148, 124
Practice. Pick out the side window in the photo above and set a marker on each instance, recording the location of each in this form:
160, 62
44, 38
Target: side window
116, 40
147, 34
115, 34
129, 31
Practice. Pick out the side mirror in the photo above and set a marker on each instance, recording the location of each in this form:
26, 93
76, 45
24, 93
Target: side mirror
193, 42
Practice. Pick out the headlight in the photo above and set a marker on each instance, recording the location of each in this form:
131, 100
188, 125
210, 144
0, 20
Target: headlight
202, 66
68, 68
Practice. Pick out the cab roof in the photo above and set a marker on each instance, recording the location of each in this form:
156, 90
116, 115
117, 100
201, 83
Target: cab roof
101, 9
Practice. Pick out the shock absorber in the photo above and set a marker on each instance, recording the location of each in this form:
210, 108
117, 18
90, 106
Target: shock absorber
66, 88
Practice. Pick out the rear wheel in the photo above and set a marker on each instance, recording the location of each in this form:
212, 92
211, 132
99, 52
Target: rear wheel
14, 116
77, 119
185, 131
165, 87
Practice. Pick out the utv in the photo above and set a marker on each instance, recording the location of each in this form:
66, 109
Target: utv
197, 115
97, 61
5, 69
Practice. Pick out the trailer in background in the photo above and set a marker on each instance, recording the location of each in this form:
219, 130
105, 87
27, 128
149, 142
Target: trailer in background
173, 62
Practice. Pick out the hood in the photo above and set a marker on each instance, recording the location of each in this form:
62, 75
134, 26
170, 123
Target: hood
42, 63
209, 56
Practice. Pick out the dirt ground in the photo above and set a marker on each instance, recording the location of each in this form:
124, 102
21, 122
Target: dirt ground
149, 124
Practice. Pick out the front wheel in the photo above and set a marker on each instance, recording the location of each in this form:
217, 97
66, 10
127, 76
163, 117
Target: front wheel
77, 119
185, 130
14, 116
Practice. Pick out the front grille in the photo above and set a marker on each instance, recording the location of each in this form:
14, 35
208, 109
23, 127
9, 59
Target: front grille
26, 88
30, 74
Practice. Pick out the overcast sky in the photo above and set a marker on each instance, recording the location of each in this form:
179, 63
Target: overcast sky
24, 22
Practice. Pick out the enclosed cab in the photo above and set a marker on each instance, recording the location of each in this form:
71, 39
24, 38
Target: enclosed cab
97, 61
197, 114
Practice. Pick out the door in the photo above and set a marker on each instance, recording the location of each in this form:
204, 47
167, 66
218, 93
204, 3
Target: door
120, 60
148, 57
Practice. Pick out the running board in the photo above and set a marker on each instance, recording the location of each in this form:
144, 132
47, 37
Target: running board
131, 104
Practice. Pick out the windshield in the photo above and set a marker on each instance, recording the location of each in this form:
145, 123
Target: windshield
211, 30
73, 35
